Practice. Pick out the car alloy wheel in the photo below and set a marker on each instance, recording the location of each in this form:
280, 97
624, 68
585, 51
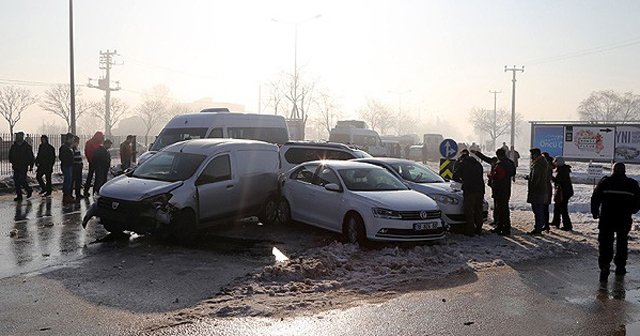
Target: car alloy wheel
284, 212
270, 211
354, 230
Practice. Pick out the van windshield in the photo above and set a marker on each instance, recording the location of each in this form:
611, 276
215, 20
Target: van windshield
169, 166
169, 136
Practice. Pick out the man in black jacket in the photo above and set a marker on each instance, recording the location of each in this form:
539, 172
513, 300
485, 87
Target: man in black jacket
102, 162
44, 161
469, 172
66, 165
21, 158
614, 200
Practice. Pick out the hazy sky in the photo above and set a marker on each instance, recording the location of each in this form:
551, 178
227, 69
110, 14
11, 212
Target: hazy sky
448, 53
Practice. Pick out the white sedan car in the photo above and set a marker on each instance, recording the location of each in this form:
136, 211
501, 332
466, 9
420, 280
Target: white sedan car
359, 200
424, 180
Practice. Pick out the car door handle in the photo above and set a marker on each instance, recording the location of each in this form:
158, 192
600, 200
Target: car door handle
230, 186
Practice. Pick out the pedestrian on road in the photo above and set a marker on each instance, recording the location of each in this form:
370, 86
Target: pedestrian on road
537, 189
501, 175
563, 192
547, 201
45, 160
514, 156
505, 147
126, 152
469, 172
89, 148
614, 200
102, 161
21, 159
76, 173
65, 153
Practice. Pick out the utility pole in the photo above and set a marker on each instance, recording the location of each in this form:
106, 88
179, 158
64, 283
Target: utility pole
495, 121
514, 70
72, 79
104, 84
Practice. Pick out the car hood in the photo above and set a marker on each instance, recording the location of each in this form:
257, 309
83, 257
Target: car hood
134, 189
436, 188
398, 200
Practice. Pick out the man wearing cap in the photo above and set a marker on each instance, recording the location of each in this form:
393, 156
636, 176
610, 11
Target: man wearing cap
537, 189
21, 158
614, 200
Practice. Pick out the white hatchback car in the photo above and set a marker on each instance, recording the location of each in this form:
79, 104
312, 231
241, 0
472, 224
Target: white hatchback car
422, 179
359, 200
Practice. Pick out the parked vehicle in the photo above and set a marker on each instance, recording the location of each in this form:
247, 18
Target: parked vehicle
359, 200
356, 133
431, 146
192, 185
415, 153
215, 123
294, 153
424, 180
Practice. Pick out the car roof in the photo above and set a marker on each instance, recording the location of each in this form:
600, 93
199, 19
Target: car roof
212, 146
385, 160
341, 164
334, 145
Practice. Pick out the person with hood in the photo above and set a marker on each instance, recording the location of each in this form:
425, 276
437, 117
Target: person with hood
537, 189
615, 199
89, 148
45, 160
468, 171
563, 192
102, 162
21, 159
65, 154
547, 201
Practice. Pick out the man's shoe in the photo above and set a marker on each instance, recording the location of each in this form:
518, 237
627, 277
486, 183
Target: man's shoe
535, 233
604, 276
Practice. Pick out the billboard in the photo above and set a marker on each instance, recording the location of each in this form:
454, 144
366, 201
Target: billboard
589, 142
627, 144
548, 139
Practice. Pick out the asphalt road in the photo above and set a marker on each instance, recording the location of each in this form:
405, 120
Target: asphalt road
58, 279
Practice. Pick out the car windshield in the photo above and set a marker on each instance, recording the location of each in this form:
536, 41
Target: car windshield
416, 173
172, 135
370, 179
170, 167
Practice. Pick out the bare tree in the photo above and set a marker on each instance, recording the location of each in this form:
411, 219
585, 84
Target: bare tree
494, 126
404, 123
276, 99
610, 106
377, 115
13, 101
117, 110
291, 91
327, 110
155, 109
57, 100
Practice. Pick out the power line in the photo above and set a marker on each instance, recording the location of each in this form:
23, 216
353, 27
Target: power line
586, 52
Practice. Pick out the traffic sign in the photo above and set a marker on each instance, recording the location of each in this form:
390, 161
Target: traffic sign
448, 148
446, 168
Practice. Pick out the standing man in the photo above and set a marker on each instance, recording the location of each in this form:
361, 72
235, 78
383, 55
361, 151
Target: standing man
90, 147
102, 161
126, 152
514, 156
21, 159
537, 189
76, 173
65, 153
469, 172
614, 200
44, 161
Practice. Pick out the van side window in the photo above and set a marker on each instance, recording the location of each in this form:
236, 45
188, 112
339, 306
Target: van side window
216, 133
305, 173
219, 169
326, 176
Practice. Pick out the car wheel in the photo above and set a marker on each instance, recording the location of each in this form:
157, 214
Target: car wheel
183, 227
354, 232
284, 212
269, 212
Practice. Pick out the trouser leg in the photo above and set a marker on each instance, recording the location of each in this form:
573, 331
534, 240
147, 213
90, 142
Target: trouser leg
566, 220
77, 179
538, 214
557, 213
477, 205
622, 238
90, 174
502, 206
605, 248
17, 183
39, 175
469, 213
47, 176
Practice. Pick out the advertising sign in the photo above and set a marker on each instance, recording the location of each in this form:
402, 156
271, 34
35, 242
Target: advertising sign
627, 144
549, 139
589, 142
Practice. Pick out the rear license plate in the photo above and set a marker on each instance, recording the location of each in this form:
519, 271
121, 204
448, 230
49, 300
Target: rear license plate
425, 226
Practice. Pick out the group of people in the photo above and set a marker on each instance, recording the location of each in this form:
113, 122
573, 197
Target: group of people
22, 160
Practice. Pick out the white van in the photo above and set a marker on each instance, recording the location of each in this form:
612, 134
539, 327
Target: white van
364, 138
262, 127
192, 185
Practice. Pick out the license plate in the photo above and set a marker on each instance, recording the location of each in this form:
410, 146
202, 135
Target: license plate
425, 226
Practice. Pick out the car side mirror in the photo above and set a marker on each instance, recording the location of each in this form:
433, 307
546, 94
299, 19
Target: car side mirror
333, 187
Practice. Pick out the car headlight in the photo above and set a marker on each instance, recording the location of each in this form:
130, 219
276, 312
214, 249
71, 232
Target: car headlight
386, 213
160, 201
445, 199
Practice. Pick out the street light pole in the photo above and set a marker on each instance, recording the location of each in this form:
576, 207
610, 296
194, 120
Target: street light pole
72, 80
514, 70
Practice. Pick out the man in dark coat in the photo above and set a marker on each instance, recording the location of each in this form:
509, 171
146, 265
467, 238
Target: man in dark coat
563, 192
102, 162
90, 147
44, 161
65, 154
21, 159
537, 193
468, 171
614, 201
126, 152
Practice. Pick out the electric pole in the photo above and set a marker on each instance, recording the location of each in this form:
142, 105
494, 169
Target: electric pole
495, 121
514, 70
72, 79
104, 84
